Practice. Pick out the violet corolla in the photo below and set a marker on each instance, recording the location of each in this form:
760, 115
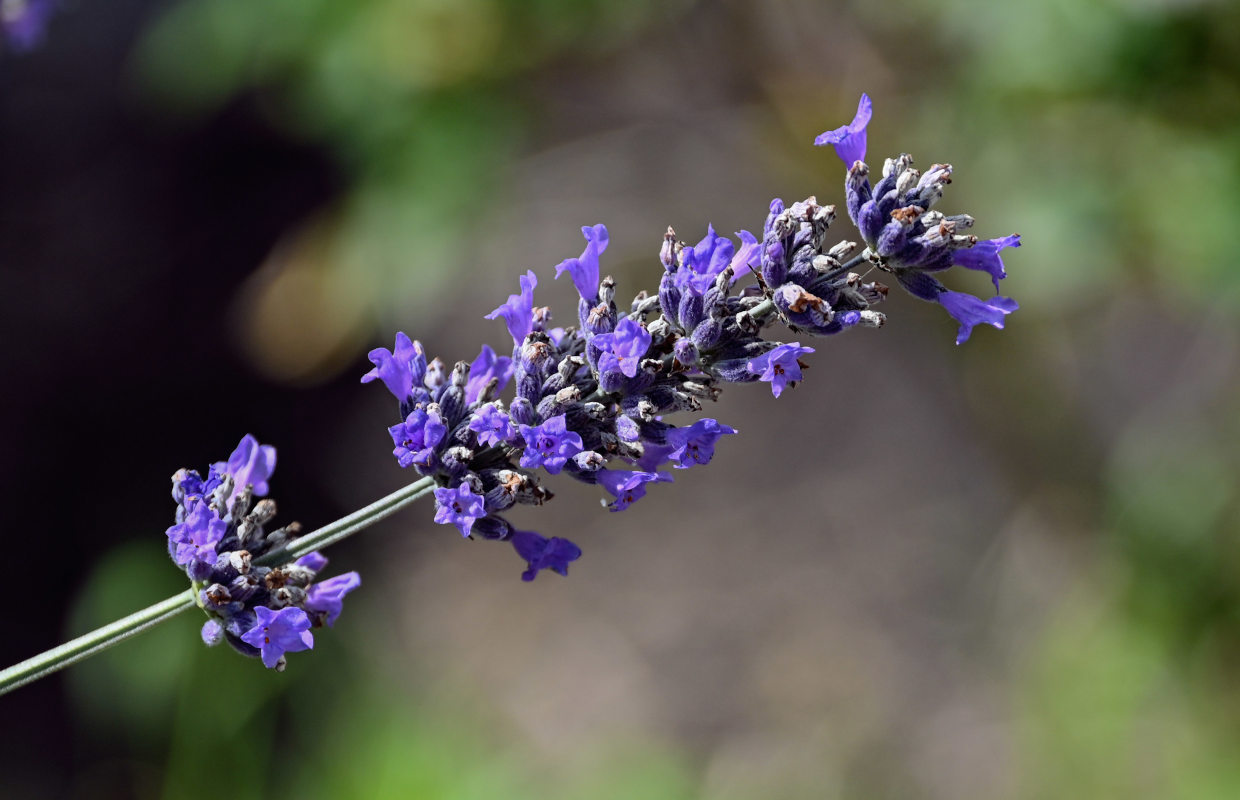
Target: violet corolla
599, 401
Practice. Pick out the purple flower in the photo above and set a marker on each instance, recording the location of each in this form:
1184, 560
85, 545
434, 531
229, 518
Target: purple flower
24, 22
780, 366
749, 257
700, 264
492, 425
417, 437
628, 486
984, 256
541, 553
969, 311
312, 561
696, 443
518, 311
623, 348
398, 369
251, 464
327, 597
459, 507
549, 445
485, 367
195, 538
584, 270
278, 632
849, 141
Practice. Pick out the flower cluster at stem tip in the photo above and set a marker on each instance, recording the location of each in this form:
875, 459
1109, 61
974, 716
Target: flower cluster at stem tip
219, 534
595, 395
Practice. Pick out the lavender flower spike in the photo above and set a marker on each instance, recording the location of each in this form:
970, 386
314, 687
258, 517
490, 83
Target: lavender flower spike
984, 256
969, 311
279, 632
518, 310
780, 366
584, 270
849, 140
554, 554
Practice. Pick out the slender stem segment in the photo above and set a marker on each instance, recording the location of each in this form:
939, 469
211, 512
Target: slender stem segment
98, 640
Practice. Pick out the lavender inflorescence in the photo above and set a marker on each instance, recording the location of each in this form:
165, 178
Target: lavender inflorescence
597, 393
220, 540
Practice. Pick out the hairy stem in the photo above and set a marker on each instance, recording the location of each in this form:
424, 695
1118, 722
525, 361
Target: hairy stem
101, 639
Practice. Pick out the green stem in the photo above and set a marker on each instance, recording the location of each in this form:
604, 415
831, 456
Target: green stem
99, 640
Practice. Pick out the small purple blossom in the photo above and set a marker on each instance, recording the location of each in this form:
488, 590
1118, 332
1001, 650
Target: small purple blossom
493, 425
984, 256
749, 257
486, 366
701, 263
24, 22
315, 561
541, 553
696, 443
459, 507
623, 348
251, 464
417, 437
518, 310
327, 597
194, 540
969, 311
212, 633
400, 368
780, 366
628, 486
849, 140
584, 270
278, 632
549, 445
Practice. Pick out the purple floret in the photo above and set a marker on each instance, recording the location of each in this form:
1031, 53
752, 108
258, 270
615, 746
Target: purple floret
518, 310
849, 140
251, 464
492, 425
779, 367
969, 311
278, 632
628, 486
417, 437
486, 366
327, 597
549, 445
399, 369
459, 507
584, 270
984, 256
541, 553
696, 443
623, 348
194, 540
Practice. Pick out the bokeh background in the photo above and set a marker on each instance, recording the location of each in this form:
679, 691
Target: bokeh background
1004, 570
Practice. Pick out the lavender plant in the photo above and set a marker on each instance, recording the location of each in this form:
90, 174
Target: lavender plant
593, 400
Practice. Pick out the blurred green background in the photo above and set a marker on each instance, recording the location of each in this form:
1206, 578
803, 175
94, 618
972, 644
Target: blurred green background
1005, 570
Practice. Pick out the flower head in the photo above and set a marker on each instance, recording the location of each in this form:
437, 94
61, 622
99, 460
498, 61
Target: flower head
278, 632
780, 366
984, 256
549, 445
849, 140
969, 311
398, 368
584, 270
628, 486
327, 597
623, 348
518, 310
417, 437
541, 553
459, 507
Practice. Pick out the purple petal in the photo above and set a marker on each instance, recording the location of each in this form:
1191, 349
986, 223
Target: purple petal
849, 140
